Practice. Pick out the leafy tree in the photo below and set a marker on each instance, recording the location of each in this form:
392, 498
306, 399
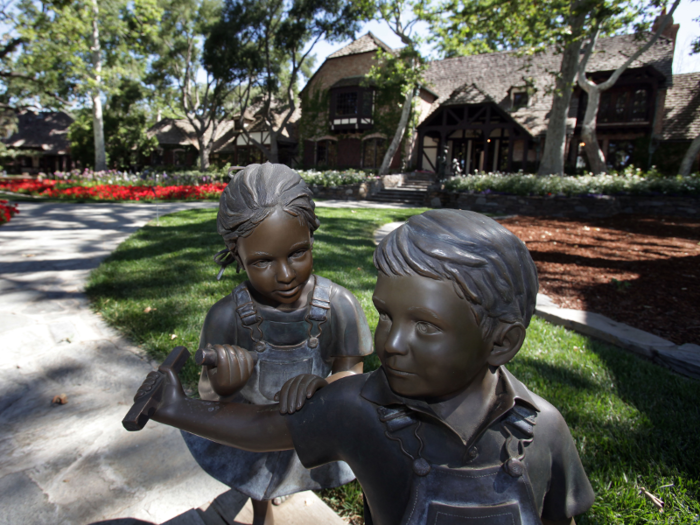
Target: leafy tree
531, 26
265, 47
402, 72
588, 133
185, 85
125, 124
18, 90
694, 148
85, 48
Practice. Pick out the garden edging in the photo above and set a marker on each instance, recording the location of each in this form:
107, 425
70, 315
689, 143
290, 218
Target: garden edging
563, 206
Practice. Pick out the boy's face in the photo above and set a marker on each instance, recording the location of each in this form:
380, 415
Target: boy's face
277, 257
427, 339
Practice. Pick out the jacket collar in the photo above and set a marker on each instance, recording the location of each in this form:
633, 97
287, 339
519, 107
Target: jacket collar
510, 392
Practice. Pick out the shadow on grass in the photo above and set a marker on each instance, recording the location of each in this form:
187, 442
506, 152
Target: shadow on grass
655, 433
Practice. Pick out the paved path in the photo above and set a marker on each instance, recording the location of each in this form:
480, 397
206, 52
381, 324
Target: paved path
74, 463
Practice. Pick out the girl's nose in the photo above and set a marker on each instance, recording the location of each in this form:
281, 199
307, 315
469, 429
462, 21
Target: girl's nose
285, 274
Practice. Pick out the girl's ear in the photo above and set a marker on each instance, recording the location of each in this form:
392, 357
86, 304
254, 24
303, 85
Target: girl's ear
507, 340
237, 258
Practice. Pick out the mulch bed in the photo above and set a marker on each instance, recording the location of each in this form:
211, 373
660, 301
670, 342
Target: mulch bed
643, 271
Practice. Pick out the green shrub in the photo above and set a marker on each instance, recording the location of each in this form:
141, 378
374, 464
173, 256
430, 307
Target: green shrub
331, 178
628, 182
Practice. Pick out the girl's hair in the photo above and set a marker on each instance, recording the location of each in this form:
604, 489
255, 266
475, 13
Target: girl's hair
251, 196
490, 267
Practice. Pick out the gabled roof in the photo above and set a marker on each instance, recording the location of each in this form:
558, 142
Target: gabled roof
364, 44
467, 94
682, 108
179, 132
46, 131
494, 74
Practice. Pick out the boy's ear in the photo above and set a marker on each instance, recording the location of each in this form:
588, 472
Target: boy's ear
507, 340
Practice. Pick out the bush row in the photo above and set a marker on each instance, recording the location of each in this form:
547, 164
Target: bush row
150, 177
628, 182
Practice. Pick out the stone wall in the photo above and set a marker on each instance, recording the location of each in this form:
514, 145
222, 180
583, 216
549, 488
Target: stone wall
560, 206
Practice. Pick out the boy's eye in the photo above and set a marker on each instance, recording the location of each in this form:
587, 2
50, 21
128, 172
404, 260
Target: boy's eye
299, 253
426, 328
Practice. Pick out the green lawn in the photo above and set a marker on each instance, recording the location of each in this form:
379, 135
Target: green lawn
636, 424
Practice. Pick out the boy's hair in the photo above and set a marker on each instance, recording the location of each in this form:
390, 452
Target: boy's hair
491, 268
252, 195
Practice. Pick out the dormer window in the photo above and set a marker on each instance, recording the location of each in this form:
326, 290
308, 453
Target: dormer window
351, 108
520, 98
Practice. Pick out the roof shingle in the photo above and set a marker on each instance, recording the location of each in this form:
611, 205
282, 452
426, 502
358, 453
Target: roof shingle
682, 108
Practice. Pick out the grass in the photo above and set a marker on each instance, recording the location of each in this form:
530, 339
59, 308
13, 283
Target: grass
635, 424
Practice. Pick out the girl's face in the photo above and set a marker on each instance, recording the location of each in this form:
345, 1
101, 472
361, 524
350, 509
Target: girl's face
277, 258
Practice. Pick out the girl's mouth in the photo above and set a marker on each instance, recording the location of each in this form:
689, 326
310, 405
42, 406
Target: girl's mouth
288, 293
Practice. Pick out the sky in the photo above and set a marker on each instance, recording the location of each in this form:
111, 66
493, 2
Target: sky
684, 15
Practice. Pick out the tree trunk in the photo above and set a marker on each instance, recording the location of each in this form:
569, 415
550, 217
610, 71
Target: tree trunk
204, 151
273, 154
97, 120
689, 158
400, 130
552, 162
596, 160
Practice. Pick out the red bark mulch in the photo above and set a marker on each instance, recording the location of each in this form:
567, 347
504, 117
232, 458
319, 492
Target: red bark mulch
643, 271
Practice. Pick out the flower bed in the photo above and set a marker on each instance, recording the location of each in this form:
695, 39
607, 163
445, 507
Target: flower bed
71, 190
7, 211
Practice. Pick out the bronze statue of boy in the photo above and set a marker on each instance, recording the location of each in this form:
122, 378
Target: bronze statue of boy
441, 433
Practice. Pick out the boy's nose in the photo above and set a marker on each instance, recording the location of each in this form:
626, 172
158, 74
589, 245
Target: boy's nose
396, 342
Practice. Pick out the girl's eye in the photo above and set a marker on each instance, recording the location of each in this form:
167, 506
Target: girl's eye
298, 253
427, 328
261, 264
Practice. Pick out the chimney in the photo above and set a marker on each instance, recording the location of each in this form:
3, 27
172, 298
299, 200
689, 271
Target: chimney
671, 29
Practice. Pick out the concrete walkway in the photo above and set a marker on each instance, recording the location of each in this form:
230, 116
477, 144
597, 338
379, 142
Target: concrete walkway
74, 463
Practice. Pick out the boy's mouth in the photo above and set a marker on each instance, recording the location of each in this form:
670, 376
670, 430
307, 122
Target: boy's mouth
395, 372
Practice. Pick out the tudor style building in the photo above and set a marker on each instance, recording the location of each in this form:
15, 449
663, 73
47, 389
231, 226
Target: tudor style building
41, 143
490, 112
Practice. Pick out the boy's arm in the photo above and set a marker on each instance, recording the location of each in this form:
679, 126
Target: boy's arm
258, 428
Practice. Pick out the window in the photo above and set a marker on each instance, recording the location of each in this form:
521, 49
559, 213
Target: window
326, 153
623, 105
373, 152
346, 104
639, 105
519, 100
619, 154
367, 103
351, 109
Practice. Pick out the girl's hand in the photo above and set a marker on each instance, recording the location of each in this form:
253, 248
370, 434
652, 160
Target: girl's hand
297, 390
228, 367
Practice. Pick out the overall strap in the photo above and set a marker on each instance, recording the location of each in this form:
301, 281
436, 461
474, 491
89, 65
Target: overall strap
248, 314
318, 309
